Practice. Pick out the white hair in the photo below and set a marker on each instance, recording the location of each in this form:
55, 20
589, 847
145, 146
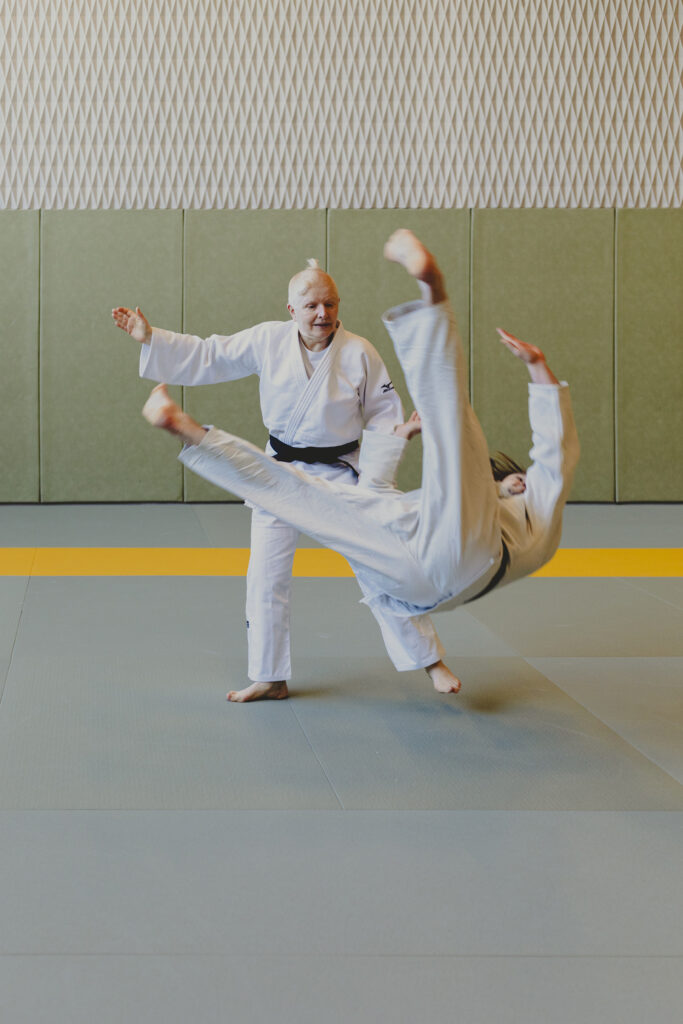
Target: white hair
305, 279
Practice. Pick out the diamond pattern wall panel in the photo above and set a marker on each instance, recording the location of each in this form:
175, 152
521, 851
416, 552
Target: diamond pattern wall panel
340, 103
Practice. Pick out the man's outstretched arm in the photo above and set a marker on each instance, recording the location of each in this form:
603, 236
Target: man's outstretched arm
133, 322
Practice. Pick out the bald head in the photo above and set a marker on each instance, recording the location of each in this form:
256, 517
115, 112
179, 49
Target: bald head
307, 279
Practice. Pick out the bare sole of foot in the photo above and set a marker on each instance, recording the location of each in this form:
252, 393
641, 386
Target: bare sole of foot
160, 410
443, 679
406, 249
259, 691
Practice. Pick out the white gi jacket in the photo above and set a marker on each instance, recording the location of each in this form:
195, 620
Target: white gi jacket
441, 546
349, 391
530, 523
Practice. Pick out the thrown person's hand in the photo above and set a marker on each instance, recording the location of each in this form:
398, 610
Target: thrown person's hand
133, 322
527, 353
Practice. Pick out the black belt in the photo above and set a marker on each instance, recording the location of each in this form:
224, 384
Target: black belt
495, 580
285, 452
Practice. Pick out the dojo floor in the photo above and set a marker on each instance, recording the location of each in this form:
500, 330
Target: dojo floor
366, 851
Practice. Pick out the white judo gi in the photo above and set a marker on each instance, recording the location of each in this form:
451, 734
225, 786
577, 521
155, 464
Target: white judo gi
308, 399
455, 538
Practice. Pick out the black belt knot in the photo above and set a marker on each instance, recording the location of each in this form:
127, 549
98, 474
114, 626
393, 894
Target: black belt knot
495, 580
286, 453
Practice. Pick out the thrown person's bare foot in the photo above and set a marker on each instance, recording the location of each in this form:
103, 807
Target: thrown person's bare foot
443, 679
259, 691
161, 411
405, 248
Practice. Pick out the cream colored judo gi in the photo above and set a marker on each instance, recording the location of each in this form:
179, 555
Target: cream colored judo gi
443, 545
307, 399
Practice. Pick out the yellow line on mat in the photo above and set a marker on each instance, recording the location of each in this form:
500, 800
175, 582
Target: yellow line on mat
311, 562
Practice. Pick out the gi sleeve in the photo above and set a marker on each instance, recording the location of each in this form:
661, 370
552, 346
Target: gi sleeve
186, 359
382, 408
554, 455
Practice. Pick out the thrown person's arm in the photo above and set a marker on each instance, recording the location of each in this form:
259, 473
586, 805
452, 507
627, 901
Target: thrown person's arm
532, 520
188, 359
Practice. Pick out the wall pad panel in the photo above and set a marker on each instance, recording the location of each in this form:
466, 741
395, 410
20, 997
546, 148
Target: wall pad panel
650, 355
95, 446
19, 253
237, 268
369, 284
547, 276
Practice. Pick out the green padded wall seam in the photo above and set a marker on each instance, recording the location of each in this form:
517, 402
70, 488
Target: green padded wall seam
470, 339
183, 269
615, 365
38, 330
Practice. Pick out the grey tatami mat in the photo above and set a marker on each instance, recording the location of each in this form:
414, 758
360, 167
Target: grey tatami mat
316, 911
582, 618
116, 699
510, 740
100, 526
622, 526
668, 590
414, 883
333, 990
12, 594
641, 699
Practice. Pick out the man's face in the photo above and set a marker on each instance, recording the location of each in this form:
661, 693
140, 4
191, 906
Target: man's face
316, 311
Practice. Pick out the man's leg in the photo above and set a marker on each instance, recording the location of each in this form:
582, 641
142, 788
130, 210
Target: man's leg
269, 585
458, 538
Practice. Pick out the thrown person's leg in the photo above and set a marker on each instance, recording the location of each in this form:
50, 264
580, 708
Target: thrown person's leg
357, 524
412, 644
459, 537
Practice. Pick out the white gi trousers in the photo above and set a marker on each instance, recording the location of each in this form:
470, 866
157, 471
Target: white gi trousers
413, 551
411, 643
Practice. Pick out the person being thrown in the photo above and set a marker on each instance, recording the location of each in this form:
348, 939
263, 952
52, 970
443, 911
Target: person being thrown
320, 386
462, 533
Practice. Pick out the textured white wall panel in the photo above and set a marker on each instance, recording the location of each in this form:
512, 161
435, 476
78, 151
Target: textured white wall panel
354, 103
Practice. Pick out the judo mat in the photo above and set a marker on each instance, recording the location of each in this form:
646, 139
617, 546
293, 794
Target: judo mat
368, 849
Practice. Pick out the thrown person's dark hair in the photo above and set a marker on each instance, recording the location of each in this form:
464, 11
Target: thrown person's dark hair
502, 465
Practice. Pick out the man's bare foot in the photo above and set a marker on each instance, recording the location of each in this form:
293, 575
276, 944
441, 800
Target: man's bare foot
161, 411
259, 691
443, 679
405, 248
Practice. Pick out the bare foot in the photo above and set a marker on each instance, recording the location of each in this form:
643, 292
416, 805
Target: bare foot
443, 679
259, 691
405, 248
161, 411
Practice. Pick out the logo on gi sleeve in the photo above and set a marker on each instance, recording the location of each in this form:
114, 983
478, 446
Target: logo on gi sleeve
387, 387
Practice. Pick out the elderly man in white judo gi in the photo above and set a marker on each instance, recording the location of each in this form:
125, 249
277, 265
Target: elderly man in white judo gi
320, 387
460, 535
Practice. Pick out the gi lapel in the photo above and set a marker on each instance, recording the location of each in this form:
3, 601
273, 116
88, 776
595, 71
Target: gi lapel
311, 388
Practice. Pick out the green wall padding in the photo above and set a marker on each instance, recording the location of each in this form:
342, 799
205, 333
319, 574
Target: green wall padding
547, 276
70, 397
95, 446
19, 309
650, 355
